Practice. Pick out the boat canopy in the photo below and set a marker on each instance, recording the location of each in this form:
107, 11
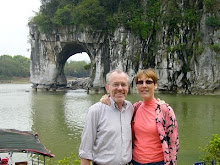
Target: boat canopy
22, 141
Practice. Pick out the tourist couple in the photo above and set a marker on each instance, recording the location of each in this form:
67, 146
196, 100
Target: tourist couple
117, 132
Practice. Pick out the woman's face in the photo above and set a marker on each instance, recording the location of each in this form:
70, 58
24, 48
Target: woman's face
146, 88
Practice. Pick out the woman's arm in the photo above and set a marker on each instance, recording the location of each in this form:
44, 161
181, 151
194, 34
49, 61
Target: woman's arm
105, 100
172, 133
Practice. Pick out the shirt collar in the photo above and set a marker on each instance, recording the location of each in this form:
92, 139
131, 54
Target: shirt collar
113, 103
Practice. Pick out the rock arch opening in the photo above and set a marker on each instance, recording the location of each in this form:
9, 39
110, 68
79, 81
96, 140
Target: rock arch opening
78, 71
78, 65
80, 57
70, 50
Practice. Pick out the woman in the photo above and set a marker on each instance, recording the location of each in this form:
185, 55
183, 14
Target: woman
155, 134
154, 125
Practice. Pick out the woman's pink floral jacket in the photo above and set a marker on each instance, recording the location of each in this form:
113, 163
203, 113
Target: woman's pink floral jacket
168, 131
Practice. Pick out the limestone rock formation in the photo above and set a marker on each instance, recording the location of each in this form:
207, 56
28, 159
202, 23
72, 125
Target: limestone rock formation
180, 70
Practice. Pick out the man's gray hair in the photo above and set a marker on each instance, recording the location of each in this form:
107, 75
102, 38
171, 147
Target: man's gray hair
115, 70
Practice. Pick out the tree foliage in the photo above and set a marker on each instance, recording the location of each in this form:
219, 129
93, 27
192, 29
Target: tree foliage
17, 66
143, 17
76, 69
63, 16
89, 12
211, 5
213, 22
143, 21
44, 22
69, 160
211, 152
99, 15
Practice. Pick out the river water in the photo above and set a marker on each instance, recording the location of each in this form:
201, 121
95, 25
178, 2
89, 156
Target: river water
58, 117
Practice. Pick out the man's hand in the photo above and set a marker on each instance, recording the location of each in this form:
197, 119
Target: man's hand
85, 162
160, 102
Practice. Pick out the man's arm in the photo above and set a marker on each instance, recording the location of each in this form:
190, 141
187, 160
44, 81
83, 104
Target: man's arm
85, 162
89, 135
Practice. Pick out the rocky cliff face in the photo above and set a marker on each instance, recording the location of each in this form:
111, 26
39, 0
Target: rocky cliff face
186, 71
182, 65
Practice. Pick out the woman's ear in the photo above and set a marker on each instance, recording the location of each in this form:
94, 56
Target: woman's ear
155, 86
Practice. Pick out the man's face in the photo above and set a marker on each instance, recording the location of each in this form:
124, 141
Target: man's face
118, 87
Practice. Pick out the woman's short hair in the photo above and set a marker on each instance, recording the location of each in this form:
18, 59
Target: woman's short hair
149, 73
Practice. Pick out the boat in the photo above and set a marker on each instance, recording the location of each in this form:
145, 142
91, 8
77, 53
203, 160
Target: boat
16, 141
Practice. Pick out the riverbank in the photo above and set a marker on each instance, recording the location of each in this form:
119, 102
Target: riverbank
16, 80
80, 83
26, 80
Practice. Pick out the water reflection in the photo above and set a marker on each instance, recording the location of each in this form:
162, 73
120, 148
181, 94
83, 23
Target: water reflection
75, 109
197, 119
49, 122
15, 111
15, 107
59, 119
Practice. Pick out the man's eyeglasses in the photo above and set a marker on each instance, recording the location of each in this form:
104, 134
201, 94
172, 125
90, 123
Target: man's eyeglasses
123, 85
141, 82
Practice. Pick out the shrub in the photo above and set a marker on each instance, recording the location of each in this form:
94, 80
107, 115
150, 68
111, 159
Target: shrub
72, 160
215, 47
210, 5
211, 152
44, 22
63, 16
213, 22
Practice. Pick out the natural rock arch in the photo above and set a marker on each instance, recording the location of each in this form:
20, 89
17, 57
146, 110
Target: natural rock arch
49, 54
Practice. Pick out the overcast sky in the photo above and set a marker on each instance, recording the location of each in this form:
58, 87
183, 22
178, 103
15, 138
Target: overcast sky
14, 16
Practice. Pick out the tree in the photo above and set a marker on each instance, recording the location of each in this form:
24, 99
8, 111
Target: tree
211, 152
90, 13
76, 69
23, 64
17, 66
63, 16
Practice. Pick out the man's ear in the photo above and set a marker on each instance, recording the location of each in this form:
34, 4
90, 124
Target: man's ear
107, 88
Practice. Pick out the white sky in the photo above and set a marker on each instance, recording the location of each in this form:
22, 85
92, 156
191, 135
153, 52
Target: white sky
14, 16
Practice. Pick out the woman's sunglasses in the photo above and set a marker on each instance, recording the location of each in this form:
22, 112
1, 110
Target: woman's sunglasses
141, 82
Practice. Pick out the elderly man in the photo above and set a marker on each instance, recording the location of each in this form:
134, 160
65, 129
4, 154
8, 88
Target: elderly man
106, 138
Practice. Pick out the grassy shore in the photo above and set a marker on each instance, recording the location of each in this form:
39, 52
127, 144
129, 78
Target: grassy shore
16, 80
